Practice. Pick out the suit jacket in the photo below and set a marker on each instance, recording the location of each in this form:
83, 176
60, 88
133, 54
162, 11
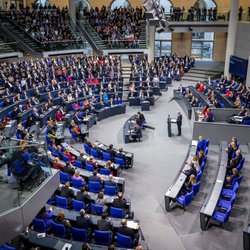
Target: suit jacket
82, 160
124, 230
111, 152
82, 196
69, 171
190, 171
121, 155
179, 120
119, 203
104, 225
201, 145
82, 222
66, 192
109, 183
95, 178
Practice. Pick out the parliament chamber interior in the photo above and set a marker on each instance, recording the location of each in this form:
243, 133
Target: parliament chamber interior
124, 124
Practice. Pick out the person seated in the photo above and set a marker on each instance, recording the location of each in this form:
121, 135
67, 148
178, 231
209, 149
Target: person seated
77, 176
231, 150
209, 116
136, 133
60, 115
57, 164
83, 195
82, 159
60, 219
83, 220
230, 178
104, 224
46, 216
100, 200
30, 122
187, 187
141, 119
201, 144
109, 165
233, 163
67, 153
95, 177
111, 151
120, 202
120, 154
59, 151
125, 230
91, 161
66, 191
195, 161
99, 152
69, 169
201, 156
110, 182
191, 170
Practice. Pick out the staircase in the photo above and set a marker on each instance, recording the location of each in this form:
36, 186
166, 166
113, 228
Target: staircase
126, 70
143, 36
25, 41
91, 36
198, 74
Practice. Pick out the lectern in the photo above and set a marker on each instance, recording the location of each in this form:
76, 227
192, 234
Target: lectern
170, 121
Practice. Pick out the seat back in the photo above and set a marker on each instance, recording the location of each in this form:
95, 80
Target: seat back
102, 237
6, 247
48, 139
77, 164
235, 187
94, 153
77, 205
96, 209
77, 183
106, 156
116, 212
58, 230
120, 161
64, 177
86, 148
105, 171
110, 190
123, 241
89, 167
239, 179
198, 176
55, 155
61, 202
79, 234
94, 187
241, 163
196, 188
39, 225
65, 158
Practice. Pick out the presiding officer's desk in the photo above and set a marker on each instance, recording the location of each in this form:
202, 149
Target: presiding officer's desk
71, 215
183, 102
209, 206
108, 199
101, 163
180, 179
129, 156
50, 242
110, 111
127, 128
136, 101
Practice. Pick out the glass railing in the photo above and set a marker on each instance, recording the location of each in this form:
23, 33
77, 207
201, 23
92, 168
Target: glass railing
24, 167
200, 17
8, 47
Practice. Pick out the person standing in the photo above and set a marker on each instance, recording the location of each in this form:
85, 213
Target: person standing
179, 122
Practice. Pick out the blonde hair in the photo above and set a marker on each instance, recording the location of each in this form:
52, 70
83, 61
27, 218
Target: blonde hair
192, 179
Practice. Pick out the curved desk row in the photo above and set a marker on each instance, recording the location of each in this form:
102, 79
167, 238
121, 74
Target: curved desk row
220, 97
128, 127
209, 206
180, 179
202, 99
110, 111
55, 243
183, 102
136, 101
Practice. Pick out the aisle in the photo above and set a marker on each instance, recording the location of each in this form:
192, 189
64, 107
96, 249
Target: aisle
157, 160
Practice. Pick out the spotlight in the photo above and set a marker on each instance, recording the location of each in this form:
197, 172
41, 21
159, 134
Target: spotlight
190, 29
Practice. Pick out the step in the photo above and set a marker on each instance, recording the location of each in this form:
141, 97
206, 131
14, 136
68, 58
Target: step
191, 74
205, 70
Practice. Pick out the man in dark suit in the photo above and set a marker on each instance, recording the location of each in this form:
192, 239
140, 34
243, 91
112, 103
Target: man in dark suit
179, 122
82, 159
121, 155
233, 163
68, 168
83, 221
104, 224
119, 202
140, 118
190, 170
110, 182
136, 133
111, 151
82, 195
66, 191
124, 230
94, 177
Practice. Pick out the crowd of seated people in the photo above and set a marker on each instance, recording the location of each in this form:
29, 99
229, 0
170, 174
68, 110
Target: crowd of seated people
237, 92
144, 75
118, 27
44, 24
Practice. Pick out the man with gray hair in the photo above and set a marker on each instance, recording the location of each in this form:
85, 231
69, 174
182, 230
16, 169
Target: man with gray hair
83, 220
233, 163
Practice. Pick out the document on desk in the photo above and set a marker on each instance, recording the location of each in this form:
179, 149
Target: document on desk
67, 246
194, 143
132, 224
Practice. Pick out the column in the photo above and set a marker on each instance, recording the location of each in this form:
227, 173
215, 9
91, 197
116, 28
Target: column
231, 34
72, 10
151, 43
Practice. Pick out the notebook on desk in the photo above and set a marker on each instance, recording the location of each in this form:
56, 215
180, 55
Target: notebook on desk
194, 143
132, 224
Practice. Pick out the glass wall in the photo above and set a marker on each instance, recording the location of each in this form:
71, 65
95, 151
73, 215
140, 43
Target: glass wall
120, 3
163, 44
203, 45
